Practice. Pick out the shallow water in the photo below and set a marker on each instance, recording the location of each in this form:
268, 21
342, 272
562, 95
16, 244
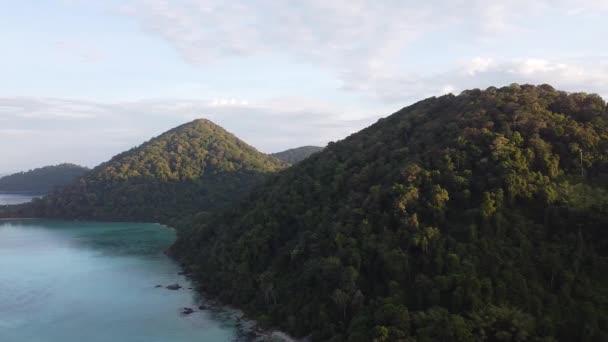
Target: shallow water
11, 199
74, 281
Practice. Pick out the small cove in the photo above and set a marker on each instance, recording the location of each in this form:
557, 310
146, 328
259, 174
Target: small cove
92, 281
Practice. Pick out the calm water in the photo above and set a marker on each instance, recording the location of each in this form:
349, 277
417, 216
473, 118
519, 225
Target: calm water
10, 199
73, 281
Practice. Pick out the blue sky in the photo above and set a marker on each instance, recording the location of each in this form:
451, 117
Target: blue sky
84, 80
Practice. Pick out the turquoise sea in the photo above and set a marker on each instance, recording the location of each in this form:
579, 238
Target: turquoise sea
84, 281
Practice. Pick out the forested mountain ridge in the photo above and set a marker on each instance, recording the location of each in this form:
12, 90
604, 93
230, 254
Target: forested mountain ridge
195, 167
42, 180
477, 217
296, 155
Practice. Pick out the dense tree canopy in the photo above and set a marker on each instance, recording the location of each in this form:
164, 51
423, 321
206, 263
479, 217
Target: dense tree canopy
192, 168
477, 217
296, 155
42, 180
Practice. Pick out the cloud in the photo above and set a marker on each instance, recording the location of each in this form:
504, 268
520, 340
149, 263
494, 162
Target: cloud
362, 42
39, 131
9, 132
313, 29
590, 76
478, 65
588, 7
578, 75
228, 103
339, 36
46, 108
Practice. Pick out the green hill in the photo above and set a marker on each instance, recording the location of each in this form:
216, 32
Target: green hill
477, 217
42, 180
296, 155
192, 168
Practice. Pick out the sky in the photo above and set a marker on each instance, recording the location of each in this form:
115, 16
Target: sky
82, 80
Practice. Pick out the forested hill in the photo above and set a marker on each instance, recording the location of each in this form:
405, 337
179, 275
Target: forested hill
42, 180
296, 155
192, 168
459, 218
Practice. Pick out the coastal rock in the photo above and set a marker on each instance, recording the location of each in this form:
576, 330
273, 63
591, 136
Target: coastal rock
277, 336
174, 287
187, 311
157, 286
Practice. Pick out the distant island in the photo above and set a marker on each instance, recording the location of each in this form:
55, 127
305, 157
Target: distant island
191, 169
296, 155
42, 180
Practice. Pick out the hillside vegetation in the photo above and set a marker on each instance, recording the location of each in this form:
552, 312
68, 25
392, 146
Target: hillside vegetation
477, 217
192, 168
42, 180
296, 155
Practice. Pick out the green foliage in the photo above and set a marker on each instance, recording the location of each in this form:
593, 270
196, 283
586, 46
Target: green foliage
193, 168
502, 324
459, 218
296, 155
42, 180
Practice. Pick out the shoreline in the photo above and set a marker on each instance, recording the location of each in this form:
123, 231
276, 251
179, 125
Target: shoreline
260, 333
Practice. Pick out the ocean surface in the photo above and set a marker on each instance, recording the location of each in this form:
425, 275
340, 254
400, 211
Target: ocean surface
10, 199
84, 281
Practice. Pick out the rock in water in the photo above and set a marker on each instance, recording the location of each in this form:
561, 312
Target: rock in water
174, 287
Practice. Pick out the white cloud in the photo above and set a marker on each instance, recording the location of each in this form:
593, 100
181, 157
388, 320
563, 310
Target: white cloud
26, 107
341, 35
447, 89
478, 65
588, 7
11, 132
581, 75
533, 66
362, 42
86, 132
401, 89
228, 103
